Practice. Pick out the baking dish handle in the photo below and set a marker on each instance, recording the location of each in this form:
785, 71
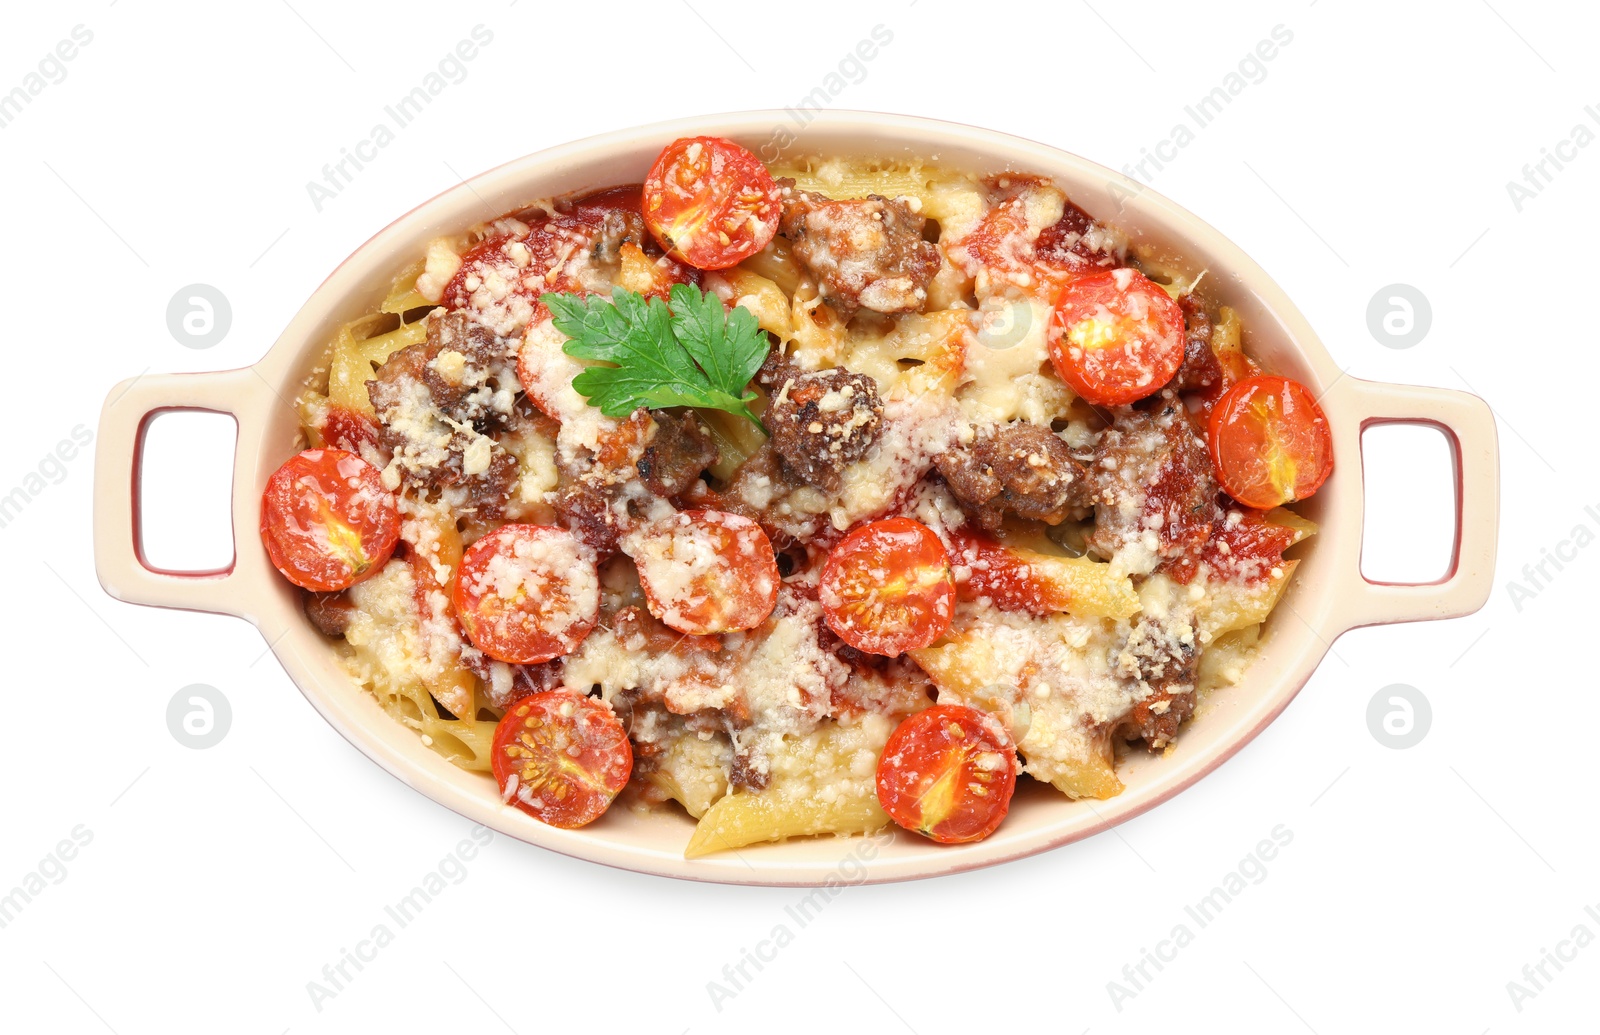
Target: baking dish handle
1468, 427
118, 555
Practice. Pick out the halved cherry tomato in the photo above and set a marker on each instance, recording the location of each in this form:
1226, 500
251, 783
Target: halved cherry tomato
710, 202
327, 521
948, 773
706, 571
561, 757
1270, 442
527, 593
887, 588
1116, 336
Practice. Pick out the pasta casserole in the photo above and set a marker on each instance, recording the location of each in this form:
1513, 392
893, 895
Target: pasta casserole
804, 499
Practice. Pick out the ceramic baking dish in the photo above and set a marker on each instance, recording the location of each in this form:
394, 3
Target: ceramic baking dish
1327, 597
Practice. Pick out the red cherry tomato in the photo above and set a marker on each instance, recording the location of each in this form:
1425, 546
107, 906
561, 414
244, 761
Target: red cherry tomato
1270, 442
948, 772
706, 571
710, 202
527, 593
327, 521
887, 588
1116, 337
561, 757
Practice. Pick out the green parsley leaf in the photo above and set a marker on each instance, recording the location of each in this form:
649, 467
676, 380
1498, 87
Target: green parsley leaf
694, 353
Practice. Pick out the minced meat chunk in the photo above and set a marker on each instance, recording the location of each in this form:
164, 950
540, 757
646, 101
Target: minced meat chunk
661, 450
1154, 488
586, 512
1161, 656
436, 403
469, 373
676, 452
330, 612
1021, 468
822, 421
1200, 369
866, 253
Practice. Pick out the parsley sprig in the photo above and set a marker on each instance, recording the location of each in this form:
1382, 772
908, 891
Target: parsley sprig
692, 352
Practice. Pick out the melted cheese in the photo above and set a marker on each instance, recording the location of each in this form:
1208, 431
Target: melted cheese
1004, 377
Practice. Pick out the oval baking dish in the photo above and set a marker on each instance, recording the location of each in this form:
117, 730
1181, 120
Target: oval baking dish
1327, 597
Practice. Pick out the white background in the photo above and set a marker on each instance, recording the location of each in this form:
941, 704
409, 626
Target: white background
219, 882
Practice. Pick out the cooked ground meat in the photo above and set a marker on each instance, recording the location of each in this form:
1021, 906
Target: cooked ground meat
637, 629
487, 492
601, 222
470, 374
774, 371
822, 421
748, 772
678, 449
585, 512
1153, 483
1022, 468
866, 253
504, 683
437, 401
1156, 719
1200, 369
760, 490
617, 227
664, 451
329, 612
1162, 656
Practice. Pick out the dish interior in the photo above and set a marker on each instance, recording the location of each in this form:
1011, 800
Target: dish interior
654, 840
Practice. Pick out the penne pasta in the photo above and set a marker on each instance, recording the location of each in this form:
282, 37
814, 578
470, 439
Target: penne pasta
356, 358
821, 783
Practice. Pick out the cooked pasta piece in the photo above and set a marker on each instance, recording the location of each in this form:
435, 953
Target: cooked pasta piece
1231, 605
693, 772
771, 305
356, 357
941, 193
389, 655
822, 783
1224, 662
404, 297
1076, 761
